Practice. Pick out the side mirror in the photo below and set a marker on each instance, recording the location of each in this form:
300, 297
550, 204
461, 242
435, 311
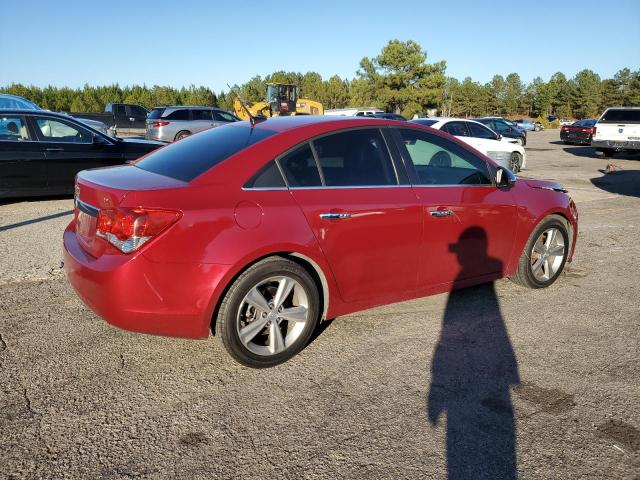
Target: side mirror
498, 136
505, 178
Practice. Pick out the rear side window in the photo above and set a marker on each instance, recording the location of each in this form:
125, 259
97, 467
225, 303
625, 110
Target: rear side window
621, 115
156, 113
192, 156
458, 129
14, 129
201, 115
300, 168
178, 115
355, 158
268, 176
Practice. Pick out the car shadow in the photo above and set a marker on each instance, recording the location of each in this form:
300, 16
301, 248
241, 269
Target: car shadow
473, 369
581, 151
35, 220
621, 182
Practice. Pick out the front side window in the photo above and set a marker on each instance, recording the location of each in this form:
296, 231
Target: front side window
355, 158
438, 161
480, 131
13, 128
300, 168
57, 131
221, 116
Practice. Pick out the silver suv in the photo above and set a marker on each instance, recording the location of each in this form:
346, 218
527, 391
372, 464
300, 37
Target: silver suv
168, 124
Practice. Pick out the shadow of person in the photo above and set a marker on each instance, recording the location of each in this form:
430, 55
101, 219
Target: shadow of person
473, 368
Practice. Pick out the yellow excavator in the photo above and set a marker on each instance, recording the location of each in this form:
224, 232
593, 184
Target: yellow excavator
282, 99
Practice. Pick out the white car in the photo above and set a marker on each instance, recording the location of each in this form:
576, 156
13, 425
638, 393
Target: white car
618, 129
354, 112
501, 149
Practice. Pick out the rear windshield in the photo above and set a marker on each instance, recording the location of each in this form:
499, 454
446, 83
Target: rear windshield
156, 113
427, 123
190, 157
620, 115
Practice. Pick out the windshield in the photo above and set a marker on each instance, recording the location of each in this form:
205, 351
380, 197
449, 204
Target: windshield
11, 102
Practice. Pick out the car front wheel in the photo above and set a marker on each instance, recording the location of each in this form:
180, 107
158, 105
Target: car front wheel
515, 162
269, 313
545, 254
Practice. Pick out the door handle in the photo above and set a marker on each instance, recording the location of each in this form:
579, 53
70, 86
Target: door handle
334, 216
54, 149
441, 213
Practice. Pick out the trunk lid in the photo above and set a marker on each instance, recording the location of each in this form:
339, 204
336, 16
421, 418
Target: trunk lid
104, 188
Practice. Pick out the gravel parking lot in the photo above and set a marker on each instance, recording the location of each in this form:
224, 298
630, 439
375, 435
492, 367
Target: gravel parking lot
402, 391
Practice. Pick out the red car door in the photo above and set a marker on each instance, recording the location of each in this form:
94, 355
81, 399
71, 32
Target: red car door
469, 224
368, 226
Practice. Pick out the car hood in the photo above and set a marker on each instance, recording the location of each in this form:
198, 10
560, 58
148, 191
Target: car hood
544, 185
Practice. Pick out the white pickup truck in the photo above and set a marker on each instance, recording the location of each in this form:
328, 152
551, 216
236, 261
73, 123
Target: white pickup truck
617, 129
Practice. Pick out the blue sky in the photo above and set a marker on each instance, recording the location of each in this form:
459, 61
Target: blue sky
213, 43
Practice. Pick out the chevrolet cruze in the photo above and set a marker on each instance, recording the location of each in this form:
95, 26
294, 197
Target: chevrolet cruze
256, 232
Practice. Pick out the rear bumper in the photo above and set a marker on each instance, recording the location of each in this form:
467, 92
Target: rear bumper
133, 293
619, 144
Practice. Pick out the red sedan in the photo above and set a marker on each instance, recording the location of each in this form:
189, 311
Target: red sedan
257, 233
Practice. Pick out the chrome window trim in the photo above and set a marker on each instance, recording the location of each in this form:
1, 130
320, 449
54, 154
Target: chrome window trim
360, 187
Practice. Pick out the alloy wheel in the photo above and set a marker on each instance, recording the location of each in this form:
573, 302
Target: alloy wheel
273, 315
547, 254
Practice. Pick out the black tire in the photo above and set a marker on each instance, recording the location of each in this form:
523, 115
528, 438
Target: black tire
605, 152
228, 313
524, 273
181, 134
515, 162
524, 141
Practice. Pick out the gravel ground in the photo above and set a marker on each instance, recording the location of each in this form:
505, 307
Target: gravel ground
543, 384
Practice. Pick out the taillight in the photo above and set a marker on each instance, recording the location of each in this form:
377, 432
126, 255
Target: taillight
160, 123
593, 132
128, 229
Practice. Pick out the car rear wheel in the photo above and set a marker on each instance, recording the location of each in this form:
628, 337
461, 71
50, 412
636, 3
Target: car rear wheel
269, 313
544, 255
515, 162
182, 134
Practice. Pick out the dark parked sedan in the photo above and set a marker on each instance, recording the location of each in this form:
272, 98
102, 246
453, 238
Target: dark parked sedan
504, 127
41, 152
579, 132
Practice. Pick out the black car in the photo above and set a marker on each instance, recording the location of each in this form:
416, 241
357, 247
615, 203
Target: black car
579, 132
41, 152
505, 128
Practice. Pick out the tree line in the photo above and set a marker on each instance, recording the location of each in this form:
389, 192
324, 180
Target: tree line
399, 80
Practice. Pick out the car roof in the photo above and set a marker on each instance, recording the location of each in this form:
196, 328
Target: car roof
190, 107
40, 113
283, 124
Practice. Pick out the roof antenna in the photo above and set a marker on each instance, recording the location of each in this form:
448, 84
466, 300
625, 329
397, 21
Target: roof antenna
253, 119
